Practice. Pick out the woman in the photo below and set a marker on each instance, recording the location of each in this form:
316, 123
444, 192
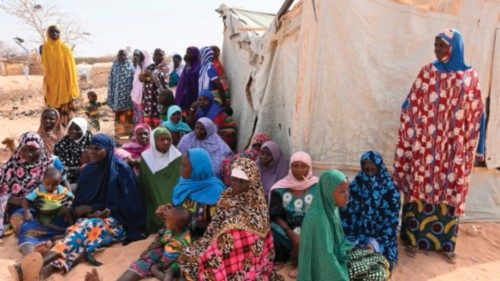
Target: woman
324, 254
206, 107
175, 124
21, 174
221, 73
205, 136
371, 218
238, 242
132, 150
209, 78
51, 129
60, 81
141, 60
291, 198
71, 147
272, 165
252, 153
155, 79
435, 152
120, 83
176, 68
187, 89
159, 173
198, 189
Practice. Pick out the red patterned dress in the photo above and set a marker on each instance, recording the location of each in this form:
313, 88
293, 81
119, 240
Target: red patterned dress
440, 123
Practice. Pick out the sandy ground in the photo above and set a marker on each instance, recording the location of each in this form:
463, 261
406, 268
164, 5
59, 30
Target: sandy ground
21, 100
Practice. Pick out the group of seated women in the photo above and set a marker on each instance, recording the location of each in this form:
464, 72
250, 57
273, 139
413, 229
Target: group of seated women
216, 215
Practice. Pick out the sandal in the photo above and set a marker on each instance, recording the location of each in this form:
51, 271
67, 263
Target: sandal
31, 265
450, 257
44, 247
411, 251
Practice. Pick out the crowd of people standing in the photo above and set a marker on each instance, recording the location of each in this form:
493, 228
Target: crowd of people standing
69, 190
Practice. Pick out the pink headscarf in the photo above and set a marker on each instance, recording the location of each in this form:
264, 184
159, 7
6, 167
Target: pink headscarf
290, 181
133, 147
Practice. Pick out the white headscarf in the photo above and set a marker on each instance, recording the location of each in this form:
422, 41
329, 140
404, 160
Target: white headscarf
156, 160
81, 123
136, 93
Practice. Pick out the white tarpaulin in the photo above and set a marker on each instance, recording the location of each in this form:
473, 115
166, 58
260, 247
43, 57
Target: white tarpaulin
330, 76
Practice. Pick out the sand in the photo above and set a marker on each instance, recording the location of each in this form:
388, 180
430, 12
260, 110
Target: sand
478, 246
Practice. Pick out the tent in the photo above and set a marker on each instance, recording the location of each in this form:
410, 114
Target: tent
329, 77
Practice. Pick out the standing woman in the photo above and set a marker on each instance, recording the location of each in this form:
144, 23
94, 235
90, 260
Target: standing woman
50, 128
141, 60
155, 79
187, 89
71, 147
60, 80
440, 122
175, 72
291, 198
120, 84
209, 78
222, 76
371, 217
159, 173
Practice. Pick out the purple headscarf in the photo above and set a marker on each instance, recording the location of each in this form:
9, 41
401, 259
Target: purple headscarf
276, 171
216, 147
187, 89
213, 109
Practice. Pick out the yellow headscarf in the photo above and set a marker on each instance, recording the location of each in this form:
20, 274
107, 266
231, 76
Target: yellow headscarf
60, 80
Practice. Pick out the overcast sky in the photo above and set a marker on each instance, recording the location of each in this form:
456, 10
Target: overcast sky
170, 24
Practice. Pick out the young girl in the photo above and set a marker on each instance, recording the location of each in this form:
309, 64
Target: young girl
175, 125
159, 259
91, 109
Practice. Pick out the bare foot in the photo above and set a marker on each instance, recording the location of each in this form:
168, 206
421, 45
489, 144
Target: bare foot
31, 265
15, 272
411, 251
43, 247
449, 257
92, 275
293, 273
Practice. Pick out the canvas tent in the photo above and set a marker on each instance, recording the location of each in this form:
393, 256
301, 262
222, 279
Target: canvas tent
329, 77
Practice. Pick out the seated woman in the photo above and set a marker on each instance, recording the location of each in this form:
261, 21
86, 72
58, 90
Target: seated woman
51, 129
252, 153
371, 218
205, 136
237, 244
324, 254
208, 108
131, 151
175, 124
19, 177
198, 189
290, 201
108, 198
159, 173
272, 165
70, 148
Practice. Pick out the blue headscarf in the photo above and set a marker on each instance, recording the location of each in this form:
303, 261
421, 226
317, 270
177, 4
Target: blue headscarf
213, 109
180, 126
373, 209
202, 187
455, 61
111, 184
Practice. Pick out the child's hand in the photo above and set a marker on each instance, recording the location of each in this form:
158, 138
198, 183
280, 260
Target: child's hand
162, 210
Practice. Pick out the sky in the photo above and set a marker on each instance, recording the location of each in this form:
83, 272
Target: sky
172, 25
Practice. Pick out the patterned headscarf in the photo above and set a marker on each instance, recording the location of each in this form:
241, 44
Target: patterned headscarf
20, 178
245, 211
53, 136
454, 61
207, 56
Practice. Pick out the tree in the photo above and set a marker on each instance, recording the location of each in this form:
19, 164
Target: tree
38, 18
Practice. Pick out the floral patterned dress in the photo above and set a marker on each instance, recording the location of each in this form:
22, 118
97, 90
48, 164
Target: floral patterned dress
152, 86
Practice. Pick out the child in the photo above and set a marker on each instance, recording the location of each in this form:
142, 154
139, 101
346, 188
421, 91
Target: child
165, 100
92, 110
175, 125
54, 201
159, 259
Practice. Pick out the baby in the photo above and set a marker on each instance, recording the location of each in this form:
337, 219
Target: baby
51, 201
159, 259
91, 109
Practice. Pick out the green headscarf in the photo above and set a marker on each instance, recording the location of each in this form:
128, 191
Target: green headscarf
323, 250
161, 131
